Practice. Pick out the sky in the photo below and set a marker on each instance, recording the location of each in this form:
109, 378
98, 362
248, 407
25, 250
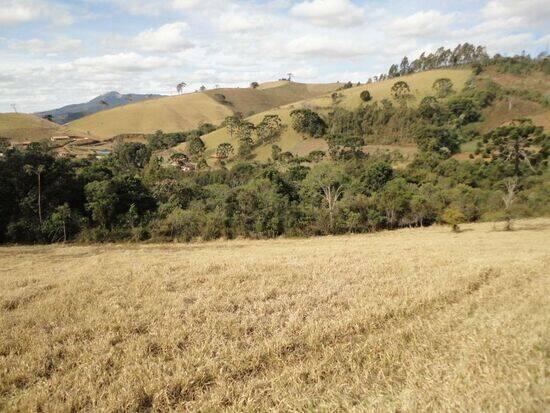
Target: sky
58, 52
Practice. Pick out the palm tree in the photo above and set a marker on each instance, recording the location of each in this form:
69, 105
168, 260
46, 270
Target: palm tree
38, 171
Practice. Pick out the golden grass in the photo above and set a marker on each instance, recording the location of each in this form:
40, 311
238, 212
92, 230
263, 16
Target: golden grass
22, 127
411, 320
170, 114
187, 111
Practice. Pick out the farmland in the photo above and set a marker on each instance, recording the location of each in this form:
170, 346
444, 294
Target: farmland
407, 320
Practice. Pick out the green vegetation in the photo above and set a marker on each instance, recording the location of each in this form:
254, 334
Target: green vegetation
336, 186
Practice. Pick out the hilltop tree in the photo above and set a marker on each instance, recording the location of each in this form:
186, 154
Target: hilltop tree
520, 142
38, 171
404, 67
202, 88
443, 87
254, 85
393, 72
180, 87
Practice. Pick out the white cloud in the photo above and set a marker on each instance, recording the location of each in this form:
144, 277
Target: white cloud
327, 46
15, 12
528, 11
238, 20
422, 24
121, 62
170, 37
40, 46
329, 13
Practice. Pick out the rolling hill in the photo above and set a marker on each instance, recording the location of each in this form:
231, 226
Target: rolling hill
290, 140
420, 85
22, 127
103, 102
187, 111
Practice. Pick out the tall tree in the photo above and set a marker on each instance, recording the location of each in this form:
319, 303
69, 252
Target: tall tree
519, 142
38, 171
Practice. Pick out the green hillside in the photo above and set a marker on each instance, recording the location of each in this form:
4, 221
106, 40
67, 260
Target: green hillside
497, 113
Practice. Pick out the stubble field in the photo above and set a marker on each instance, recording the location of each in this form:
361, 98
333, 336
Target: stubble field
409, 320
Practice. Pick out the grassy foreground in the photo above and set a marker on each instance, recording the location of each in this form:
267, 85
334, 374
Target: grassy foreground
410, 320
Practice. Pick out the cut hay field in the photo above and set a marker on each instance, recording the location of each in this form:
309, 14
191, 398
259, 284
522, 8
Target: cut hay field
410, 320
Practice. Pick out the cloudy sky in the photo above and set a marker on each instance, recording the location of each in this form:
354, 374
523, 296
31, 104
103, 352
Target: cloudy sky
56, 52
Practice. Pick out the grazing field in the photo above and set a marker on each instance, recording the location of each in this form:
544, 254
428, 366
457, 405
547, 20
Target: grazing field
21, 127
410, 320
188, 111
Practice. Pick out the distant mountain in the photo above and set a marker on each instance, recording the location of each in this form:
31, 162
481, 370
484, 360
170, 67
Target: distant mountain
107, 101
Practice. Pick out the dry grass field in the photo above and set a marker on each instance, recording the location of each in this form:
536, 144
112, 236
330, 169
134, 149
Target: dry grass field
404, 321
21, 127
187, 111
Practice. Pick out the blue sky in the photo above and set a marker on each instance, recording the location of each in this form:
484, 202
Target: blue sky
56, 52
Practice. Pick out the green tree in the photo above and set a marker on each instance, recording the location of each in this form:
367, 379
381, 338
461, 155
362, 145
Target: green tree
131, 155
254, 85
224, 150
231, 123
453, 217
365, 96
196, 146
520, 142
376, 176
269, 129
394, 200
439, 139
101, 199
244, 135
307, 122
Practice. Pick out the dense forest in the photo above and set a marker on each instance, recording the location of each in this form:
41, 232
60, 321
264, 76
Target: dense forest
133, 195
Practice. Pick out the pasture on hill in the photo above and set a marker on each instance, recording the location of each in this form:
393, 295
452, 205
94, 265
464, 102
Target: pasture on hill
290, 140
188, 111
410, 320
22, 127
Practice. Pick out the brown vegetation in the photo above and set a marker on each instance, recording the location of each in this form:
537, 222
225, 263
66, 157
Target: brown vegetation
410, 320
